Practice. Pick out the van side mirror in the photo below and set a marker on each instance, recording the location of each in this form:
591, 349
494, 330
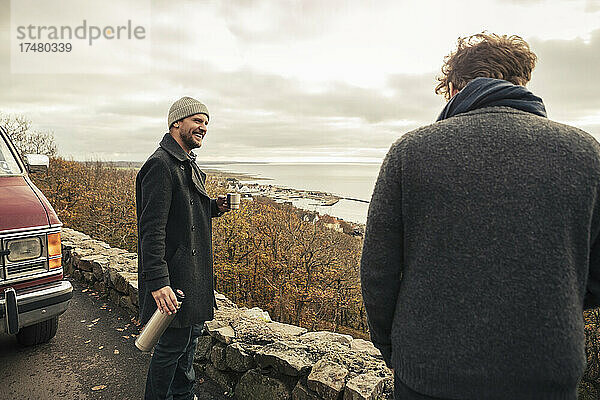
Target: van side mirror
37, 162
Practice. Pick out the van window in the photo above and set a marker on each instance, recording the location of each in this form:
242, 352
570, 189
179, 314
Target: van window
8, 164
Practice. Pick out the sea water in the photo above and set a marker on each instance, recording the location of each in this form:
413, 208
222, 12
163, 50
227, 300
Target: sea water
348, 180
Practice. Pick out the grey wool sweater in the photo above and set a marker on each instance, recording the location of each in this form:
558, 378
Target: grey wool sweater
481, 252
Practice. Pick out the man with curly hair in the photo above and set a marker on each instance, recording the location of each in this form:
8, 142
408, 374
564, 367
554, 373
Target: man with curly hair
482, 246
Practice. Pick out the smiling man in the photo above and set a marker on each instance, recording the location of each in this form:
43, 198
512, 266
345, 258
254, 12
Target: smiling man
174, 248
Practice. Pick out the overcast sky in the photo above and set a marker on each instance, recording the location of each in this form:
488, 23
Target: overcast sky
284, 80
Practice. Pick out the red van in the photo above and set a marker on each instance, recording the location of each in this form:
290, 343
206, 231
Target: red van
33, 292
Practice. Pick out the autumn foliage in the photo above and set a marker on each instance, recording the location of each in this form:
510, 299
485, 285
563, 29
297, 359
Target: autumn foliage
94, 198
302, 272
589, 387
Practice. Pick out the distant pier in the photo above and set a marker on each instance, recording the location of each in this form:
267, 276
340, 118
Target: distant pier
353, 199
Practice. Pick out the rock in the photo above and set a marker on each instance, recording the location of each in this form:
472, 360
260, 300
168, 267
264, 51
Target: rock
114, 296
67, 259
67, 245
99, 287
77, 253
122, 281
217, 356
199, 368
130, 256
112, 275
289, 360
96, 246
213, 325
205, 344
301, 392
256, 314
74, 235
238, 358
77, 275
224, 334
364, 346
85, 262
223, 301
133, 264
327, 337
100, 244
133, 291
286, 329
113, 251
220, 296
88, 277
327, 379
124, 262
67, 268
222, 378
106, 278
253, 331
125, 302
99, 265
356, 362
364, 387
66, 233
253, 385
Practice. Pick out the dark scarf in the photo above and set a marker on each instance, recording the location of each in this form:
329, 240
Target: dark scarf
489, 92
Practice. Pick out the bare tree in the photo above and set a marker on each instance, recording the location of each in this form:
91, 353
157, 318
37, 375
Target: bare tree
26, 139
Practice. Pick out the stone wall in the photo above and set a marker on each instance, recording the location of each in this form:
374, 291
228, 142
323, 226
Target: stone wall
242, 349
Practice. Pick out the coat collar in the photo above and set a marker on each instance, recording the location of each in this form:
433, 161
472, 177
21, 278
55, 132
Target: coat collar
173, 148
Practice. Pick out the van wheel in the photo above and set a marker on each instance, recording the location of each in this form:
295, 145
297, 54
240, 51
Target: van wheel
38, 333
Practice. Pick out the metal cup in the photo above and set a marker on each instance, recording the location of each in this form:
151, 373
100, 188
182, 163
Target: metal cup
233, 200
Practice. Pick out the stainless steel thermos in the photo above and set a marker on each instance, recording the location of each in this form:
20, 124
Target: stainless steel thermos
156, 326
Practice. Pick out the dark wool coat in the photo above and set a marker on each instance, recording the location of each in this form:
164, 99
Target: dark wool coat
482, 250
174, 234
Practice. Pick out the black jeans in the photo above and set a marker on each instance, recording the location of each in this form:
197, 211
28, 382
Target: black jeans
171, 373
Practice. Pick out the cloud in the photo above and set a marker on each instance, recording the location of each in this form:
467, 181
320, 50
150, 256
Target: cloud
567, 76
4, 36
524, 2
259, 112
259, 21
253, 112
408, 96
249, 110
592, 6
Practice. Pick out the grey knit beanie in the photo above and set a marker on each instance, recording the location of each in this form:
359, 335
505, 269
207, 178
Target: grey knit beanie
184, 107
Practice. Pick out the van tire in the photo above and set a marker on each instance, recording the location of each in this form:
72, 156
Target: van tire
39, 333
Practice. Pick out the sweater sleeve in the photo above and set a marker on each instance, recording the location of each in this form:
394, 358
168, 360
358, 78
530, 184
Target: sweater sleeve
156, 185
382, 255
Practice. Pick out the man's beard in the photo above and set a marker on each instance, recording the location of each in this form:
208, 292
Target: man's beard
189, 141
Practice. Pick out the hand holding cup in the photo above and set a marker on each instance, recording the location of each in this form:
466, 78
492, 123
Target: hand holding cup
222, 204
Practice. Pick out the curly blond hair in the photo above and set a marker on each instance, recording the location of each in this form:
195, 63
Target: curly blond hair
486, 55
